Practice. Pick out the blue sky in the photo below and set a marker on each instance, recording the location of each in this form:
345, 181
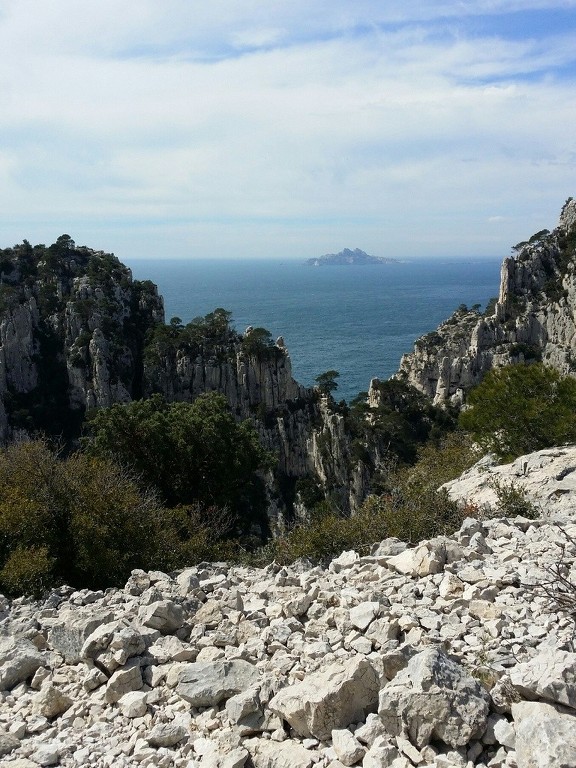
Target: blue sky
286, 129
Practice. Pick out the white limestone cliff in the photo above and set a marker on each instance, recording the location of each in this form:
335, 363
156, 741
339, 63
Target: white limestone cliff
534, 318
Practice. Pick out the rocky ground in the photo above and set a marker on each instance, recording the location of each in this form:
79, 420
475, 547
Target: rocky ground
444, 654
546, 478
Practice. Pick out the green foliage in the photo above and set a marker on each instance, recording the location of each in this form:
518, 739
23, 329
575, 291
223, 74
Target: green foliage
81, 521
258, 343
326, 382
527, 351
437, 463
409, 507
190, 452
490, 306
513, 501
210, 337
403, 420
522, 408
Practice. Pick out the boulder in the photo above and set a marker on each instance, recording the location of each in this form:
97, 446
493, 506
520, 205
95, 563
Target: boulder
363, 614
8, 742
166, 734
69, 633
19, 660
423, 560
348, 750
112, 644
207, 683
434, 698
128, 678
546, 477
50, 702
344, 692
164, 615
550, 675
266, 754
133, 704
545, 735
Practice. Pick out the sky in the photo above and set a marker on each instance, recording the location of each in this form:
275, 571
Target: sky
286, 128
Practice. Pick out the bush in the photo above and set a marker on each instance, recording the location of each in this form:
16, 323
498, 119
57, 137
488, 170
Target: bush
191, 453
522, 408
81, 521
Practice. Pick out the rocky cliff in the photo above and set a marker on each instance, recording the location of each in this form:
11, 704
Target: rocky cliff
78, 333
72, 330
534, 318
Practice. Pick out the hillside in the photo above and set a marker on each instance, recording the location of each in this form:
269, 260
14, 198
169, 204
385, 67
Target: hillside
449, 654
77, 334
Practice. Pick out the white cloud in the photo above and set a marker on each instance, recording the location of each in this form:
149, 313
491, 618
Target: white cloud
192, 126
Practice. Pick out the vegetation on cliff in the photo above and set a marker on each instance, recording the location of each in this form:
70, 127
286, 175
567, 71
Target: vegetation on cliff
189, 453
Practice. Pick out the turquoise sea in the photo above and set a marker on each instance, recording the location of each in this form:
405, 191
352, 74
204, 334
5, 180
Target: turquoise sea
356, 319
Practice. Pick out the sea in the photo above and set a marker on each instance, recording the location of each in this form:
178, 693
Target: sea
356, 319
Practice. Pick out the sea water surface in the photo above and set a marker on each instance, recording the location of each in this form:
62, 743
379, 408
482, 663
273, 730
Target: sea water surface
356, 319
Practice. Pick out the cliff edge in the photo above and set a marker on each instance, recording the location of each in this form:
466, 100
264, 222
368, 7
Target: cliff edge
533, 318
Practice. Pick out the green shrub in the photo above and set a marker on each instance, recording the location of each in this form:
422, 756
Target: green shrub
189, 452
522, 408
81, 521
28, 570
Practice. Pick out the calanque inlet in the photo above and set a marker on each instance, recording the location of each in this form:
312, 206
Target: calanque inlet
174, 506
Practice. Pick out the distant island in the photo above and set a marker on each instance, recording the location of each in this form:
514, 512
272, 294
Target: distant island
349, 257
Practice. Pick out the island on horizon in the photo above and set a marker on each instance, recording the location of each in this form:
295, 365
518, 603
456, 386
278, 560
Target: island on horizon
348, 256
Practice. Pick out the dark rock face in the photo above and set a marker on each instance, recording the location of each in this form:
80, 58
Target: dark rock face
533, 319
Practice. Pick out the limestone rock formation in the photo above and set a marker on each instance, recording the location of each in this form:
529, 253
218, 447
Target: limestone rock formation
546, 478
72, 329
533, 319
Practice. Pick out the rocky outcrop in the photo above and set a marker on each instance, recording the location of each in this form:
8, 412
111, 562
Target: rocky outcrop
359, 663
534, 318
72, 331
546, 480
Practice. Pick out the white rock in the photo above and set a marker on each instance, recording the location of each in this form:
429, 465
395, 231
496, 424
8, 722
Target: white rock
163, 615
50, 702
128, 678
8, 742
19, 660
342, 693
46, 754
370, 730
166, 734
363, 614
204, 683
348, 750
550, 675
287, 754
381, 754
434, 698
545, 735
422, 560
242, 704
133, 704
546, 477
74, 625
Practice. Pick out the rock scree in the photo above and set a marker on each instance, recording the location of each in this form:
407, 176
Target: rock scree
365, 662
